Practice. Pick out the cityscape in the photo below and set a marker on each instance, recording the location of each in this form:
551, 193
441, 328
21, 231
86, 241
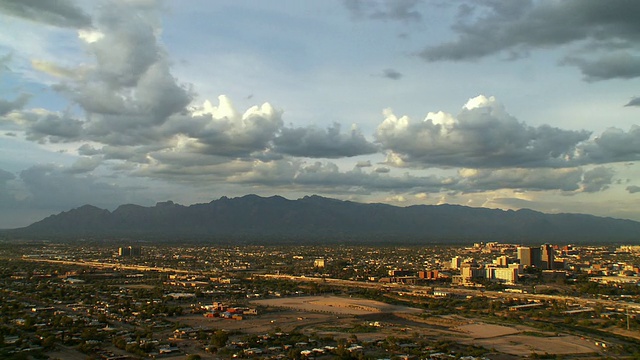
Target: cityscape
328, 179
95, 300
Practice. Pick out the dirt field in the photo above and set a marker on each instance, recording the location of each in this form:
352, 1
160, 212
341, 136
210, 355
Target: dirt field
523, 345
335, 305
515, 340
333, 315
485, 331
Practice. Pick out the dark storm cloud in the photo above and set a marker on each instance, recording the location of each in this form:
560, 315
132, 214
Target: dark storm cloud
396, 10
516, 27
329, 143
60, 13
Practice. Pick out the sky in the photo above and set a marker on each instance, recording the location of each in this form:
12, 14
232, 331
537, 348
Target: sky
488, 103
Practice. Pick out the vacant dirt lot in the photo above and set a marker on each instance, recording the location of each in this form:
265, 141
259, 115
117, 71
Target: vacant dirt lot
521, 341
335, 305
337, 316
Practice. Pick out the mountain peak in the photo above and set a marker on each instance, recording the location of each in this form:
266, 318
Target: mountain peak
316, 217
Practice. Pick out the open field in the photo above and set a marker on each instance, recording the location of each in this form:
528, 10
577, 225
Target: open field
523, 341
339, 316
335, 305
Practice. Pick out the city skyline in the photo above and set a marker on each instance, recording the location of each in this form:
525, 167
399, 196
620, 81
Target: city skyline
488, 104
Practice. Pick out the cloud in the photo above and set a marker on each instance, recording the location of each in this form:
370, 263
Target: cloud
391, 74
55, 69
634, 102
619, 65
483, 135
613, 145
222, 130
43, 125
52, 187
516, 28
596, 179
329, 143
61, 13
395, 10
7, 106
475, 180
84, 165
632, 189
326, 177
129, 90
6, 176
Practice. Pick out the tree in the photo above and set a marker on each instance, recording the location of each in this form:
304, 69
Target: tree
219, 338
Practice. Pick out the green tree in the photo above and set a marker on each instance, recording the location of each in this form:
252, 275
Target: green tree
219, 338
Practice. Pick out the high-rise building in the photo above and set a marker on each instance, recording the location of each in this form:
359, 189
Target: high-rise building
546, 256
129, 251
502, 261
456, 262
529, 256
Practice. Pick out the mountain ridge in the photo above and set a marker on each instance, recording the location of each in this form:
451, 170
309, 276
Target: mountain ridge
319, 218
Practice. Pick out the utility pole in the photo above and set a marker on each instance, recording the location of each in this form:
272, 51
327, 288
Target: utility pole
628, 318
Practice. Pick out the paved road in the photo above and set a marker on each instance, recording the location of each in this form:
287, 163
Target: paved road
632, 307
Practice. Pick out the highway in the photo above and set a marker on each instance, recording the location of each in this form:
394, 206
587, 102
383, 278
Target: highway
417, 289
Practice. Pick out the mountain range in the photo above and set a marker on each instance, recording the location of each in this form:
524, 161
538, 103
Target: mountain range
315, 218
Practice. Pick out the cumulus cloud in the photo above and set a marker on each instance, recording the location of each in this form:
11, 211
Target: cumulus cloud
328, 178
474, 180
329, 143
621, 65
482, 135
396, 10
634, 102
613, 145
597, 179
515, 28
42, 125
222, 130
7, 106
61, 13
632, 189
129, 90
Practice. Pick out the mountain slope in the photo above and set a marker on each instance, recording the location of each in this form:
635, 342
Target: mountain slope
315, 217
